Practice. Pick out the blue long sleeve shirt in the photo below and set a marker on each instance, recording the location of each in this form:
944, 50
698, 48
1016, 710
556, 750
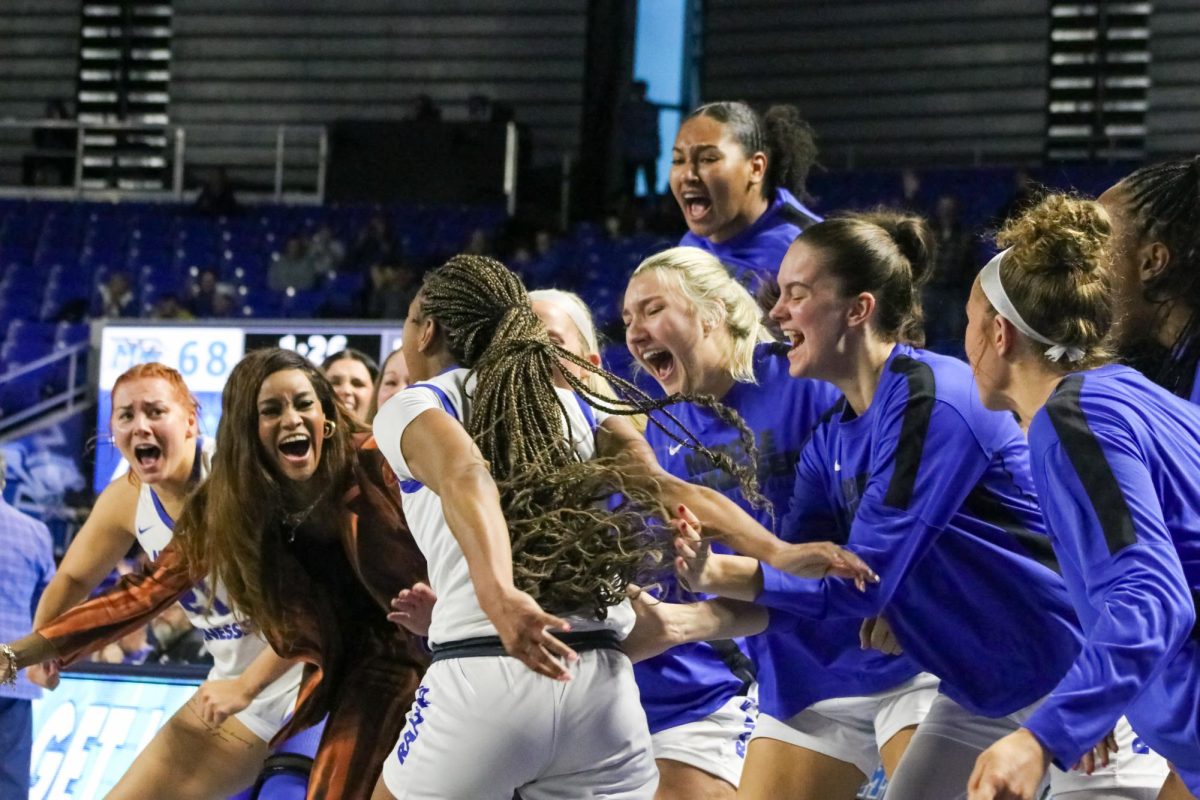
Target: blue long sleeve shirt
797, 667
934, 492
1116, 461
755, 254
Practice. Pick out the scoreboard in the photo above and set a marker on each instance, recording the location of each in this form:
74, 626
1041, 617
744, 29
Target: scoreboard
205, 354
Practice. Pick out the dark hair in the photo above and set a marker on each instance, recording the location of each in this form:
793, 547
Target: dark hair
570, 549
356, 355
224, 525
1164, 200
786, 138
889, 254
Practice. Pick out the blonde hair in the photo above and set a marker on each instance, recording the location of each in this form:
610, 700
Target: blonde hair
581, 317
1058, 277
701, 279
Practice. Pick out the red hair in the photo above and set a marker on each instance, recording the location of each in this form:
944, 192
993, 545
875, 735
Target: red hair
183, 395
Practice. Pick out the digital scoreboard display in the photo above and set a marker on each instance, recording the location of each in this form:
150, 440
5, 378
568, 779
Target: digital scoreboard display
206, 354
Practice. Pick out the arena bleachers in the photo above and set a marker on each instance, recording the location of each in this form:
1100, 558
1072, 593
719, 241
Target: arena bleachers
54, 255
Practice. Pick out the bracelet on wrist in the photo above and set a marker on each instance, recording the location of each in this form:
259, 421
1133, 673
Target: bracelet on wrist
9, 675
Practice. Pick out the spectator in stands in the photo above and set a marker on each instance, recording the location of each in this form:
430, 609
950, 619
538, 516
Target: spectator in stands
291, 269
224, 304
352, 374
479, 108
53, 161
910, 192
639, 141
391, 290
216, 198
132, 648
26, 566
168, 307
479, 243
116, 296
945, 296
1025, 193
425, 110
325, 251
204, 293
176, 641
375, 245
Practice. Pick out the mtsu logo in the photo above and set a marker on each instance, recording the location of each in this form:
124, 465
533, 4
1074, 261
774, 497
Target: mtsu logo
128, 351
415, 718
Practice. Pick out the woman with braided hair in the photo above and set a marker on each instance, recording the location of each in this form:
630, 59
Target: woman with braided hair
1155, 214
503, 497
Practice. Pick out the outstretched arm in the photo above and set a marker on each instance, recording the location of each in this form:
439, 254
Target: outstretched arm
723, 519
87, 627
661, 626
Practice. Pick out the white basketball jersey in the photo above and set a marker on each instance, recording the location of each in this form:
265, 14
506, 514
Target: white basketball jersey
227, 637
457, 614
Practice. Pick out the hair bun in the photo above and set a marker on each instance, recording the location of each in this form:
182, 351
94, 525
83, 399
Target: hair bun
1061, 235
913, 238
791, 149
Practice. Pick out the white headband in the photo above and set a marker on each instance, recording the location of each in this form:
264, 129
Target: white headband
567, 304
993, 289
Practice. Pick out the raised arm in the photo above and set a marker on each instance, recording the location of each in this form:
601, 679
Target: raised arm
440, 454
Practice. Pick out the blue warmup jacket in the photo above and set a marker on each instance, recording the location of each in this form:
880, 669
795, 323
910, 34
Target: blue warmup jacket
754, 255
1116, 461
934, 492
690, 682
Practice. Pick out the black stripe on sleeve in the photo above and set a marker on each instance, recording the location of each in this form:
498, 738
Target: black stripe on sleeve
989, 508
789, 213
1091, 465
917, 412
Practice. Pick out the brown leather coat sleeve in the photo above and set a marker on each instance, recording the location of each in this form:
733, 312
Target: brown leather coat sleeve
133, 602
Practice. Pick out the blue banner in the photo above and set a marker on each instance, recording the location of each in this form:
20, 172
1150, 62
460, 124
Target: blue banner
88, 731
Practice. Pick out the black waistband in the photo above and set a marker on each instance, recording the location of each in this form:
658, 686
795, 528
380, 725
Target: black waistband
580, 642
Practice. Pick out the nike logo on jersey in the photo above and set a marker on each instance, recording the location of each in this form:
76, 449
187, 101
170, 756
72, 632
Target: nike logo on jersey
142, 530
837, 466
675, 448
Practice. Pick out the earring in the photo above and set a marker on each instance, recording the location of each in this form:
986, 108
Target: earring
330, 427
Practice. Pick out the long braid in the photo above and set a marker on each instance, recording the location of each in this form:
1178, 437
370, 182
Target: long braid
570, 550
1165, 200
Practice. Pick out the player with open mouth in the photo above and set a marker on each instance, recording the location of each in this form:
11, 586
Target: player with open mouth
739, 179
250, 691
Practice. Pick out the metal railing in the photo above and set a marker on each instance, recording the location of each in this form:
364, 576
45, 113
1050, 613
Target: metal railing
71, 397
281, 140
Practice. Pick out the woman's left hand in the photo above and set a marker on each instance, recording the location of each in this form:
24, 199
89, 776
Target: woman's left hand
412, 609
1011, 769
218, 700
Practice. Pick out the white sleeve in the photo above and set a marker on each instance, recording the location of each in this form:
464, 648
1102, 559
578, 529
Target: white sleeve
395, 415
